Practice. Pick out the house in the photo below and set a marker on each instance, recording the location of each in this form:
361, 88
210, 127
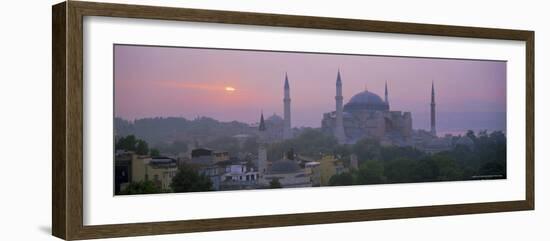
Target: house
130, 167
330, 166
238, 174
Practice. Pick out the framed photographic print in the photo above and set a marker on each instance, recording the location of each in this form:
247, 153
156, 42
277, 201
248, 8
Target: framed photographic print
171, 120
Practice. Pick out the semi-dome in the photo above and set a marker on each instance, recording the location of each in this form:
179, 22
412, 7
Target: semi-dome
365, 101
275, 118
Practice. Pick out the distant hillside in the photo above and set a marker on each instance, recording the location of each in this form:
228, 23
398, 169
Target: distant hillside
160, 131
461, 121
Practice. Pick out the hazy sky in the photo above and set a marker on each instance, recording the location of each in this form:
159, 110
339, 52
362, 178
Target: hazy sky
189, 82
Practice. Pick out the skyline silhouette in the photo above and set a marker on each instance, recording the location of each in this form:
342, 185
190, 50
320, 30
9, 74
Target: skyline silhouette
236, 85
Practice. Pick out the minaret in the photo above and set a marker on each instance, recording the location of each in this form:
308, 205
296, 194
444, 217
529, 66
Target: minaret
262, 147
432, 105
339, 128
386, 94
287, 129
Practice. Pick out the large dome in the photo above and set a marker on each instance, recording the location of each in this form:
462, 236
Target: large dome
365, 101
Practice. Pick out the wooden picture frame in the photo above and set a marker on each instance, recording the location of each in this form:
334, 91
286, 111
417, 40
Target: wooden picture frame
67, 124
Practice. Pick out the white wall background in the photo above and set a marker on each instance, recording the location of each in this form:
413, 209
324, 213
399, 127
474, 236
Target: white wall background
25, 121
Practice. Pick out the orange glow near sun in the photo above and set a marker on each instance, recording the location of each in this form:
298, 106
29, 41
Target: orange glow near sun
229, 89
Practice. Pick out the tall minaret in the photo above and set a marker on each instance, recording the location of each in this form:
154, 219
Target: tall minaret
339, 128
262, 148
287, 131
386, 94
432, 105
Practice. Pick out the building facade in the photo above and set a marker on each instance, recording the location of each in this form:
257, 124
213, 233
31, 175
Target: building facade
328, 167
130, 167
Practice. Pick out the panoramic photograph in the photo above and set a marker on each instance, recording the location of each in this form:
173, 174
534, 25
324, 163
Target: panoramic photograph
203, 119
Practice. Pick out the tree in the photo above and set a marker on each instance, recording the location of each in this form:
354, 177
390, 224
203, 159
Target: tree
342, 151
154, 152
448, 170
493, 170
131, 143
188, 179
471, 135
142, 148
275, 184
367, 149
425, 170
396, 152
371, 172
144, 187
399, 170
342, 179
127, 143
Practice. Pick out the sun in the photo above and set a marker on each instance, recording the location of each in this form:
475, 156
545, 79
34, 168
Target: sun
229, 89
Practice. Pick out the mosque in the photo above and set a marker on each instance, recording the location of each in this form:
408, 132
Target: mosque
365, 115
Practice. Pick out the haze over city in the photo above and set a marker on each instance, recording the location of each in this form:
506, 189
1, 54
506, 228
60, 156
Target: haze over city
230, 85
369, 120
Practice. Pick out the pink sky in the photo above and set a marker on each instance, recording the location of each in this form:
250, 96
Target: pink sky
190, 82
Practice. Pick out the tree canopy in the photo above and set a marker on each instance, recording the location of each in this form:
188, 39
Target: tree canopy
486, 159
154, 152
275, 184
144, 187
188, 179
131, 143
